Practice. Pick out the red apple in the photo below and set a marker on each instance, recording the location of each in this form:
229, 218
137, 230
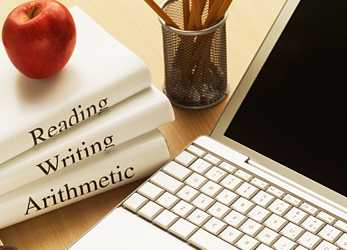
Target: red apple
39, 37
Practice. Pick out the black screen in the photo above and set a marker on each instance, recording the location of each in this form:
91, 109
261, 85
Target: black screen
295, 112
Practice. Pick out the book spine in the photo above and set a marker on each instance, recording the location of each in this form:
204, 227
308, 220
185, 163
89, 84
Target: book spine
74, 113
149, 110
130, 162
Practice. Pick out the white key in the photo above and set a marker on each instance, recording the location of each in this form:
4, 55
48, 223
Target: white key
258, 214
341, 225
324, 245
176, 170
231, 235
308, 240
326, 217
187, 193
275, 191
215, 174
342, 242
198, 217
211, 189
167, 200
150, 190
218, 210
227, 167
231, 182
182, 228
296, 215
242, 205
308, 208
263, 247
247, 190
263, 199
243, 175
200, 166
292, 231
202, 201
196, 150
251, 227
185, 158
196, 180
259, 183
247, 243
312, 224
207, 241
226, 197
211, 158
182, 208
284, 244
267, 236
214, 225
166, 182
150, 210
135, 201
165, 219
275, 222
292, 200
279, 207
234, 219
330, 233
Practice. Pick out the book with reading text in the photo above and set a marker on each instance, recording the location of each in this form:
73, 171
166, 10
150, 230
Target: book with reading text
101, 73
129, 119
129, 162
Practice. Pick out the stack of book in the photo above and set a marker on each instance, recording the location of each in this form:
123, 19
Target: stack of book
91, 128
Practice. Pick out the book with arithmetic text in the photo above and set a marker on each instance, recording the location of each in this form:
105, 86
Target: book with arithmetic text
131, 161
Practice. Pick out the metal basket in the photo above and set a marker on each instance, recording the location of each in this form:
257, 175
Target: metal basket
195, 61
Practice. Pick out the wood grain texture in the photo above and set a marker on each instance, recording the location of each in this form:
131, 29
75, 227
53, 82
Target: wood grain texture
134, 24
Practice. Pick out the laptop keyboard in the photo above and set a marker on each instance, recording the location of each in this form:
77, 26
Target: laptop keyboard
213, 204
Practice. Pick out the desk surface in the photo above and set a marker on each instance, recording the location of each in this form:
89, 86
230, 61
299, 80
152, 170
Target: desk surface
135, 25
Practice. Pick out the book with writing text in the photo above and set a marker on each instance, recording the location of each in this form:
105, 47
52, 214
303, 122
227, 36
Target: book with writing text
128, 162
131, 118
101, 73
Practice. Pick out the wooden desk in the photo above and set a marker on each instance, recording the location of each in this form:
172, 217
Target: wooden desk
135, 25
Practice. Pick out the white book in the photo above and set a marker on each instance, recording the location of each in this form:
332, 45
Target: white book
131, 118
131, 161
101, 73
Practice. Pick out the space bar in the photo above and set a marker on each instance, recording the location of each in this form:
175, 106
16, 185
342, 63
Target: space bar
207, 241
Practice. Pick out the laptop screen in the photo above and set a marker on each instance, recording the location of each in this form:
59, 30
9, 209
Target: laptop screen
296, 111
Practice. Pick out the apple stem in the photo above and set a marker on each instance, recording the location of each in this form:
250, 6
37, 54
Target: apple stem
33, 12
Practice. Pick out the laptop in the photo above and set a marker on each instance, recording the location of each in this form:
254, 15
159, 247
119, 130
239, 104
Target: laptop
273, 174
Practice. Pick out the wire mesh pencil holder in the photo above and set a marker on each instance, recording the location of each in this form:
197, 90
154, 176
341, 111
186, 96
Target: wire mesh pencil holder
195, 61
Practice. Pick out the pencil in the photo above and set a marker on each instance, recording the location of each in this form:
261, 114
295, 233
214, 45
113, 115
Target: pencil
194, 15
161, 13
223, 9
215, 4
203, 5
218, 10
186, 13
210, 3
201, 10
